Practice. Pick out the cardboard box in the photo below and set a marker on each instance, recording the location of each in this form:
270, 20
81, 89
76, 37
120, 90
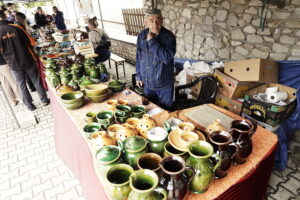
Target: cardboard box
264, 125
234, 106
197, 88
230, 87
261, 70
269, 113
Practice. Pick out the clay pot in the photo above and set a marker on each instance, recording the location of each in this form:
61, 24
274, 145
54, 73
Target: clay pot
215, 126
101, 139
126, 132
145, 124
114, 129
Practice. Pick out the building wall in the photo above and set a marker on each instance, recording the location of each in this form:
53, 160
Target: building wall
124, 50
229, 29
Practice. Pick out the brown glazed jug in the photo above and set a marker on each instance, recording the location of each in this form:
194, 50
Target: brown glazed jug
174, 177
220, 140
242, 131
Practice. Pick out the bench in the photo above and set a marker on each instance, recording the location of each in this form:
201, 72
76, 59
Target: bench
118, 61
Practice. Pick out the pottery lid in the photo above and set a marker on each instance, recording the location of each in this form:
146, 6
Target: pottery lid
157, 134
108, 154
135, 143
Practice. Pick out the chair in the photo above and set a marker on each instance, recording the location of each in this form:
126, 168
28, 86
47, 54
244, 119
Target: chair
119, 61
207, 93
134, 87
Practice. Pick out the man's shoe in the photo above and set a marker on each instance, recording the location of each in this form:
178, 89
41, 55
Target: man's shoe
46, 103
31, 108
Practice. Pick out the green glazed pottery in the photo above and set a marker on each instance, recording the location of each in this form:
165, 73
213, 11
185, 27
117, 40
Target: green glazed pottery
133, 147
149, 161
200, 152
117, 177
97, 99
96, 89
143, 185
107, 157
72, 97
105, 117
138, 111
122, 110
94, 72
86, 81
122, 119
157, 137
90, 117
74, 106
116, 86
169, 150
63, 89
172, 124
91, 128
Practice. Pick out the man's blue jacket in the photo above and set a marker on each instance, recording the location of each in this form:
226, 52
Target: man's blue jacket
155, 59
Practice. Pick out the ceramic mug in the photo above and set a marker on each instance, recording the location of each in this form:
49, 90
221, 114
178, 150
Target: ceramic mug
105, 117
138, 111
133, 121
91, 128
122, 110
170, 150
118, 181
113, 129
90, 117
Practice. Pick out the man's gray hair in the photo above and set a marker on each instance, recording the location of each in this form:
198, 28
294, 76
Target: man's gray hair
150, 12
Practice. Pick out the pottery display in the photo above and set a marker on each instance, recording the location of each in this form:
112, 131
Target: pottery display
126, 132
117, 177
169, 150
138, 111
72, 100
90, 117
96, 89
116, 86
101, 139
157, 137
122, 101
242, 131
133, 147
173, 177
181, 140
105, 118
215, 126
106, 157
85, 82
149, 161
143, 185
200, 152
90, 128
114, 129
220, 141
182, 125
145, 124
122, 110
133, 121
63, 89
97, 99
172, 124
111, 104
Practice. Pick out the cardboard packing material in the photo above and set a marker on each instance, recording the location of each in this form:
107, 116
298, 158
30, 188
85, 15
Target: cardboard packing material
260, 70
234, 106
230, 87
269, 113
264, 125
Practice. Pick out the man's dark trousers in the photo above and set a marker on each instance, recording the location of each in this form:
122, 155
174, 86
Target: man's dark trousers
163, 97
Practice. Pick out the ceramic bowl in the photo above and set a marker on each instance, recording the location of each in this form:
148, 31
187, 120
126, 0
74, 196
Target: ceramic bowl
72, 97
90, 117
116, 86
96, 89
122, 110
122, 101
181, 140
105, 117
111, 104
91, 128
182, 125
122, 119
64, 89
133, 121
113, 129
74, 106
138, 111
97, 99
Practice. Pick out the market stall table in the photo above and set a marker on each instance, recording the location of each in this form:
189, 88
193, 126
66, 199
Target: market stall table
247, 181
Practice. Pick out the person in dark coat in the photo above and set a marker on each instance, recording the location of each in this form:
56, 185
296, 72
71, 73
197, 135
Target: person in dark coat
17, 49
59, 19
40, 18
156, 47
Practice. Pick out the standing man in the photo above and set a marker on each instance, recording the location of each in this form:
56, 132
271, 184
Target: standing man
16, 48
40, 18
156, 47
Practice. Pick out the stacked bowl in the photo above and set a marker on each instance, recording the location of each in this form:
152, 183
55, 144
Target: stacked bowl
96, 93
72, 100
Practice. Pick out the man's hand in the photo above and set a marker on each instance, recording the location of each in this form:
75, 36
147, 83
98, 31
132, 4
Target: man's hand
150, 35
139, 84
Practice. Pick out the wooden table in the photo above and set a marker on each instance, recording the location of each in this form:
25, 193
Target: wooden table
247, 181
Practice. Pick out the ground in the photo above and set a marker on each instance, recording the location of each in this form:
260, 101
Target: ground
30, 168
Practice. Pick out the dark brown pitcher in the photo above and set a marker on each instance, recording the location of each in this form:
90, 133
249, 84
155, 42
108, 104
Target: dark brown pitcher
173, 177
242, 131
220, 141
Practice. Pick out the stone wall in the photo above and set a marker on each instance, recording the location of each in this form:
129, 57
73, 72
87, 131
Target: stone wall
124, 50
229, 29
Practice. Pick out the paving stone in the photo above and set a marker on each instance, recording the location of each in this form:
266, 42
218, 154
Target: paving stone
54, 191
10, 192
275, 181
292, 185
282, 193
18, 179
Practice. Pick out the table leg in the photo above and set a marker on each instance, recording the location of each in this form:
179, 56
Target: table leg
117, 70
124, 69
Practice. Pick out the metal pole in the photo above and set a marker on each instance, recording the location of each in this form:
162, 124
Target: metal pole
11, 110
100, 14
75, 13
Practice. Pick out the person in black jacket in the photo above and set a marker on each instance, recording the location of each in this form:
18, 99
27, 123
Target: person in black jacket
16, 48
40, 18
59, 19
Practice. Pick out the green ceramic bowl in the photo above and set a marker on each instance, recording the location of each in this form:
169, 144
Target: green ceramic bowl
96, 89
122, 110
105, 117
97, 99
138, 111
116, 86
72, 97
91, 128
74, 106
